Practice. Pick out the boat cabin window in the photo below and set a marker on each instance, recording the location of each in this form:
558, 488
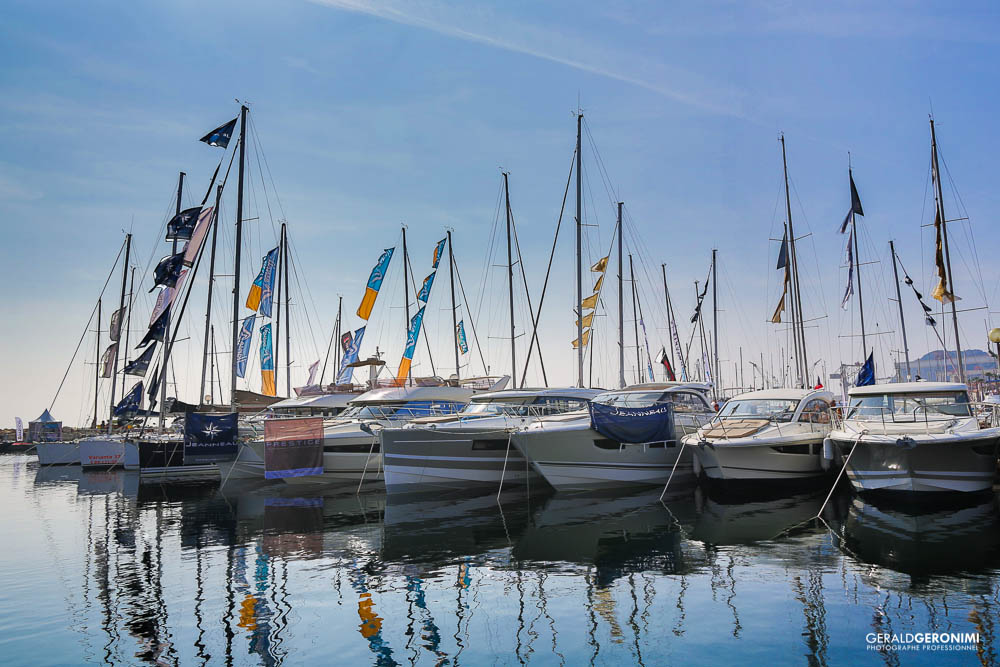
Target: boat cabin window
778, 409
630, 399
554, 405
915, 406
686, 401
495, 407
402, 411
816, 411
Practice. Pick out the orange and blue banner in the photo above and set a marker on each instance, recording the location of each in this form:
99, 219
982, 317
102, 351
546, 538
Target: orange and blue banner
412, 336
267, 386
262, 290
425, 289
438, 252
374, 284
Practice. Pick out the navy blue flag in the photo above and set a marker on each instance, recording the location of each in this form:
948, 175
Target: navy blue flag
221, 135
209, 438
634, 425
130, 401
154, 388
168, 270
140, 365
783, 253
866, 376
855, 204
182, 225
157, 332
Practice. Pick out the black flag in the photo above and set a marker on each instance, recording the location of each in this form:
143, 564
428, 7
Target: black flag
139, 366
158, 331
154, 388
168, 270
855, 199
221, 135
182, 225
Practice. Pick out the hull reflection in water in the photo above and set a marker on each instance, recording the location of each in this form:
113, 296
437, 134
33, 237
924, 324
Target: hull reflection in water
748, 519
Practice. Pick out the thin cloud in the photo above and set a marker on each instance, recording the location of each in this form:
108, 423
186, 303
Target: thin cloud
450, 21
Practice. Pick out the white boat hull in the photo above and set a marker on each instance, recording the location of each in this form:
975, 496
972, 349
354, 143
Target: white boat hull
107, 453
723, 461
58, 453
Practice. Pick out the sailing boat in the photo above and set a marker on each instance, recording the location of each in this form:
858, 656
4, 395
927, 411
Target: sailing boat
920, 437
772, 435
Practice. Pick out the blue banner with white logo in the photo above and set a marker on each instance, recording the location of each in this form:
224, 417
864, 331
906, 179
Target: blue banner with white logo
209, 438
350, 356
243, 346
633, 425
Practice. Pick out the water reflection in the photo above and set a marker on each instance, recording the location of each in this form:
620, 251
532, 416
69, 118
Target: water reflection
259, 573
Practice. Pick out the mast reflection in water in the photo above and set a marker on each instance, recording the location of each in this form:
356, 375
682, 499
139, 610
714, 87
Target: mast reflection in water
99, 569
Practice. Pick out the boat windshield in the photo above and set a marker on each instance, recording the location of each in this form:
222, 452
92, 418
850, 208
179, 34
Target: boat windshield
630, 399
490, 408
910, 407
400, 411
778, 409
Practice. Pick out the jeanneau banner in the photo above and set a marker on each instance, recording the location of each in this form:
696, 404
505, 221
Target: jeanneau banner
209, 438
653, 424
293, 447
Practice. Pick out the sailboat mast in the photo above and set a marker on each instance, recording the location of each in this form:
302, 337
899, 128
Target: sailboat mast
288, 321
798, 332
121, 308
279, 280
167, 317
334, 335
621, 306
454, 323
947, 254
510, 283
340, 326
857, 272
579, 255
715, 324
406, 289
97, 360
635, 322
899, 302
239, 250
211, 286
128, 320
211, 378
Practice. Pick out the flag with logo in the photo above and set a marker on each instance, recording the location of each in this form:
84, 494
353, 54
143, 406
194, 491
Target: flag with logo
243, 345
438, 252
425, 289
293, 447
157, 330
463, 345
168, 270
412, 336
345, 372
221, 135
130, 401
209, 438
267, 386
139, 365
262, 289
108, 361
19, 429
198, 236
375, 284
181, 226
115, 328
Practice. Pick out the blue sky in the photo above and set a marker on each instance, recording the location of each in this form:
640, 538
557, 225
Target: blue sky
373, 114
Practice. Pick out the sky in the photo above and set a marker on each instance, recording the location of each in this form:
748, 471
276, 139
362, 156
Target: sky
367, 115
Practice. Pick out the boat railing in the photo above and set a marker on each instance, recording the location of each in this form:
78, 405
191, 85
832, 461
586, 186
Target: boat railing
810, 418
922, 414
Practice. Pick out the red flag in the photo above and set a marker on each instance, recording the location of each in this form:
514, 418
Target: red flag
819, 383
666, 365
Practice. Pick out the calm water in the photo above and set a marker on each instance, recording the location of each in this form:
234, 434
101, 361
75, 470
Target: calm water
94, 570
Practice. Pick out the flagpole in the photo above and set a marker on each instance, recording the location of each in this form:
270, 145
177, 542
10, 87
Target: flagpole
288, 321
211, 285
579, 255
715, 324
621, 307
510, 284
857, 269
239, 249
406, 292
121, 307
211, 371
947, 254
276, 303
454, 323
899, 302
800, 346
97, 360
128, 322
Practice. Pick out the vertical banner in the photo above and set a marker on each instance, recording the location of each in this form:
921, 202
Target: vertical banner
293, 447
198, 236
463, 345
108, 361
350, 355
19, 427
267, 386
438, 252
412, 336
425, 289
375, 284
209, 438
259, 298
243, 345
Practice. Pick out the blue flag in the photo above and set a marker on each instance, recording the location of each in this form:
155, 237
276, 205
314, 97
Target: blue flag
221, 135
262, 290
141, 365
350, 356
158, 330
413, 333
209, 438
425, 289
438, 252
463, 345
866, 376
130, 401
243, 345
182, 225
634, 425
168, 270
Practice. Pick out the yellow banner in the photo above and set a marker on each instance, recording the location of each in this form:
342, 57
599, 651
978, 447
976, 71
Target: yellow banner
367, 303
600, 266
590, 301
404, 371
267, 383
588, 321
586, 339
253, 298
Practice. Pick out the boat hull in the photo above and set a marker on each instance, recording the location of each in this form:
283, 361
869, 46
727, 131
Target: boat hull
107, 453
248, 464
436, 458
581, 459
957, 464
58, 453
770, 461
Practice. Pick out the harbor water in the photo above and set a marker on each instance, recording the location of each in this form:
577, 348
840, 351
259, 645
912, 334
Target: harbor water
95, 568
